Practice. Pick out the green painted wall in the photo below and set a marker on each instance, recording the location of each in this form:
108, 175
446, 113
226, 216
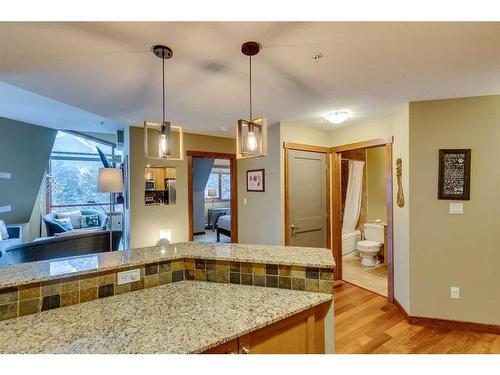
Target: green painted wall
24, 152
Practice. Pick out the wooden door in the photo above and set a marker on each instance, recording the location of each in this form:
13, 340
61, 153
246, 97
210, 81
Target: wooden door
307, 200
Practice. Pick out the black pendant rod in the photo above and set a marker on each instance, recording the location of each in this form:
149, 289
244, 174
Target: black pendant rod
250, 49
163, 77
250, 88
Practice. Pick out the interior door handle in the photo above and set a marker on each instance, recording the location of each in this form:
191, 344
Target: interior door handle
294, 228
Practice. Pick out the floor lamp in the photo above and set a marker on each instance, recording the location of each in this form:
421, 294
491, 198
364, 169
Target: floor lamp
110, 180
212, 193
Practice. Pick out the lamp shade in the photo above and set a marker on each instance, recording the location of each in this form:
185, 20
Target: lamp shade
212, 192
110, 180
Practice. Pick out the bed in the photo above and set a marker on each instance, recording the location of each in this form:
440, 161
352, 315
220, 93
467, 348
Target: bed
223, 226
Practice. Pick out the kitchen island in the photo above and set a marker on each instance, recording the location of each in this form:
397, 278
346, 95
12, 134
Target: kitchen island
187, 298
184, 317
18, 274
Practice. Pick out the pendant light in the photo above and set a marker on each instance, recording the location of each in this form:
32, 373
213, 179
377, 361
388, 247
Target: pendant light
251, 134
165, 128
164, 53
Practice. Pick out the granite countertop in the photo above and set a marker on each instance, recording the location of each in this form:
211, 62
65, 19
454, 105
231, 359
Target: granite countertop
183, 317
18, 274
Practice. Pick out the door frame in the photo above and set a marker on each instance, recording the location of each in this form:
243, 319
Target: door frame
303, 147
337, 198
234, 188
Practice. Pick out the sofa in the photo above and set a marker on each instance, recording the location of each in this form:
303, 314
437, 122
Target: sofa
60, 247
53, 227
15, 235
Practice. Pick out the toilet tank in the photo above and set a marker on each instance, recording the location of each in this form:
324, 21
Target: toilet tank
374, 232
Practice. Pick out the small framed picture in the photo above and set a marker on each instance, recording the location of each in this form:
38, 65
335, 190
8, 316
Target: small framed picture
454, 174
256, 180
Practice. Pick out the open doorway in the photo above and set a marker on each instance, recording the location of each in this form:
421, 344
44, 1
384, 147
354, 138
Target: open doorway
362, 219
212, 197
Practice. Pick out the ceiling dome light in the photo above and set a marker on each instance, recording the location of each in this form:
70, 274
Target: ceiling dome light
337, 117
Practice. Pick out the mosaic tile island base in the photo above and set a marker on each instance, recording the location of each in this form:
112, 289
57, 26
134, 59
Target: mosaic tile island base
19, 274
39, 286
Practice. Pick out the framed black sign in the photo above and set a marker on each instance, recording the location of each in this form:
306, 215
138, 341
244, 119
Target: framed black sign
454, 174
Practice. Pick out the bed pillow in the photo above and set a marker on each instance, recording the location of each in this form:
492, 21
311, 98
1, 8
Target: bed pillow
74, 216
90, 221
65, 223
4, 235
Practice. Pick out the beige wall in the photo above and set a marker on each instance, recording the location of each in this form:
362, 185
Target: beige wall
364, 131
455, 250
401, 215
304, 133
146, 222
261, 219
375, 184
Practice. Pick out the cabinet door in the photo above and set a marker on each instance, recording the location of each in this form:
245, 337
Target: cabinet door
230, 347
295, 335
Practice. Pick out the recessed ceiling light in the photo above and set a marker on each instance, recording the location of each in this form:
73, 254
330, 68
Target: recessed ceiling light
337, 117
223, 129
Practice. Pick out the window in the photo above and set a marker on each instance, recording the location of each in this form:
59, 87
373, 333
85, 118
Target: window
73, 170
225, 186
213, 183
220, 180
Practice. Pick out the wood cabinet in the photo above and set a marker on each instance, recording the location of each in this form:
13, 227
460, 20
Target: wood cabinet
303, 333
159, 174
230, 347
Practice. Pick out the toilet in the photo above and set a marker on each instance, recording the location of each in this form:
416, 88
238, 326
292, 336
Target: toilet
369, 248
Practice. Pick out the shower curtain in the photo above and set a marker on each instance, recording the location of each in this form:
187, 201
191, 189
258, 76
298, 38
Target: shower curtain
353, 196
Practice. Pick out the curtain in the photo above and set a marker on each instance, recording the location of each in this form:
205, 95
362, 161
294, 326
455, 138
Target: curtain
353, 196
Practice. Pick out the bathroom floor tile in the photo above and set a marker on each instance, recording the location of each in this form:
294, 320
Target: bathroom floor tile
371, 278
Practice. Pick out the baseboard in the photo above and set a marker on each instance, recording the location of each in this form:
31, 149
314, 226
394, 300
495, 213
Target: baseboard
454, 324
401, 308
448, 324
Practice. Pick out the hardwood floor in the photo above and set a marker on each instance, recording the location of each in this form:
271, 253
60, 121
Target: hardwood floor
366, 323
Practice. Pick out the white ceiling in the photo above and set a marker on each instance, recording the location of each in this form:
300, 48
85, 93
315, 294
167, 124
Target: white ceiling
106, 68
